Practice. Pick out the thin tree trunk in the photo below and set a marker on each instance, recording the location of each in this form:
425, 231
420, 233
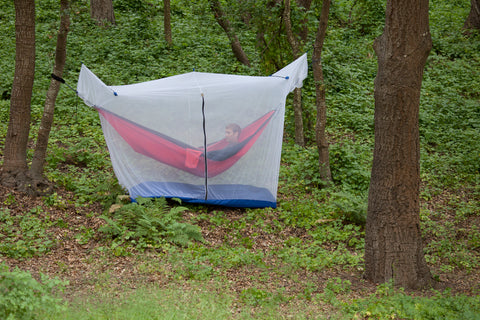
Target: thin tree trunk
320, 134
38, 162
308, 116
305, 4
274, 61
473, 19
297, 93
15, 152
225, 24
102, 11
166, 22
294, 43
298, 114
393, 243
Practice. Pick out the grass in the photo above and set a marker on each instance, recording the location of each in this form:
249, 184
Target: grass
197, 301
150, 303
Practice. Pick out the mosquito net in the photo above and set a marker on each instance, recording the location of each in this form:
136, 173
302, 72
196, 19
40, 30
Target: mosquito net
201, 137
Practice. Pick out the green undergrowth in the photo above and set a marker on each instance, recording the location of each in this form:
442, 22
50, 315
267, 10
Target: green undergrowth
315, 228
22, 297
25, 235
148, 223
388, 303
197, 301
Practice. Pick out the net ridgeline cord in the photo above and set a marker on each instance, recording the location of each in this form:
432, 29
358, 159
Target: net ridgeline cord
205, 147
61, 80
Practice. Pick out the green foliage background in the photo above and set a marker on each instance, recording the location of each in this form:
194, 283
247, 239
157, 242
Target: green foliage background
134, 50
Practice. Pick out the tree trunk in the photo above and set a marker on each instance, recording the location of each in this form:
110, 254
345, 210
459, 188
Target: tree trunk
36, 170
225, 24
298, 114
308, 115
270, 35
305, 4
102, 11
473, 19
297, 93
393, 243
294, 43
15, 153
320, 134
166, 22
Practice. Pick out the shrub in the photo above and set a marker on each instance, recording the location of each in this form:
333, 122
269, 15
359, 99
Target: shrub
350, 207
23, 297
350, 165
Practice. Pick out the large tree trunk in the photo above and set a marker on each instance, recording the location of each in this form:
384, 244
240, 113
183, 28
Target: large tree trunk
15, 153
166, 22
393, 243
320, 134
36, 170
102, 11
225, 24
297, 93
473, 19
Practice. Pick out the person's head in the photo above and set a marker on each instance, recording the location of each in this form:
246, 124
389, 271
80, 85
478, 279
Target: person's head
232, 131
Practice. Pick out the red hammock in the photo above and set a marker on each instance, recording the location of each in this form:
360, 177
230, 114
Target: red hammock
220, 155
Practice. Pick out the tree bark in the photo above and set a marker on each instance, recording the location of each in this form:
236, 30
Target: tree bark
294, 43
298, 114
166, 22
305, 4
320, 101
102, 11
473, 19
15, 152
38, 161
297, 93
225, 24
393, 243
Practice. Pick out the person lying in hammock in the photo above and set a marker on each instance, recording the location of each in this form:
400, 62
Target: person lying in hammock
232, 133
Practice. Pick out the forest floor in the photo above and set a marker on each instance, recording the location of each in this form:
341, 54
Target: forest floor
87, 268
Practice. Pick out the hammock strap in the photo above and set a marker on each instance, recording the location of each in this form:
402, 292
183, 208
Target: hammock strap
61, 80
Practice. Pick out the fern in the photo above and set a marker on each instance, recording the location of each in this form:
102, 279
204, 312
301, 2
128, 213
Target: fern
150, 222
112, 228
183, 233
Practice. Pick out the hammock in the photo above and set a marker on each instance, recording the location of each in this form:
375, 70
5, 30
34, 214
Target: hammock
220, 155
